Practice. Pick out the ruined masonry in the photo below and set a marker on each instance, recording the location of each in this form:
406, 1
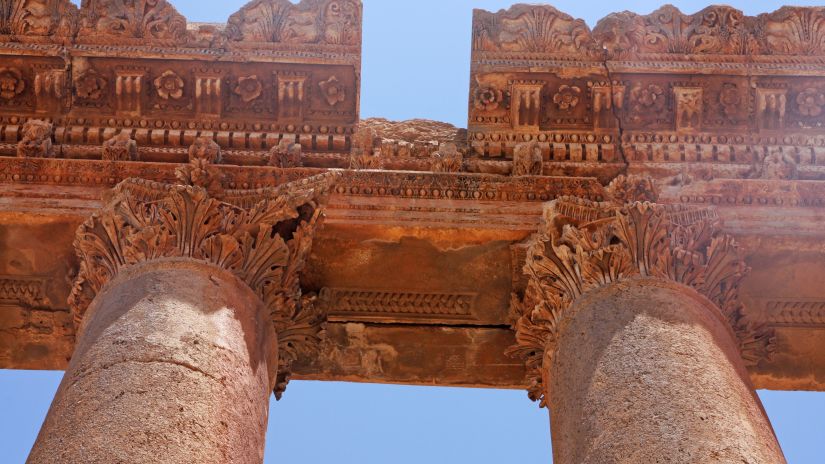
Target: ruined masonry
631, 228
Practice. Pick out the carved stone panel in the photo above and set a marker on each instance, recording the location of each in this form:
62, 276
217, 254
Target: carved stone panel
285, 71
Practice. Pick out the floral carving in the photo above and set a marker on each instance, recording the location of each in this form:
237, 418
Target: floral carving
342, 22
333, 91
265, 245
584, 245
714, 30
531, 28
169, 86
37, 140
792, 31
487, 98
632, 188
730, 98
810, 102
333, 22
90, 85
11, 83
249, 88
567, 97
120, 148
206, 149
650, 96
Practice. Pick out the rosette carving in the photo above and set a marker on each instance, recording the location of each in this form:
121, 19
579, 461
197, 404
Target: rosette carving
262, 237
584, 245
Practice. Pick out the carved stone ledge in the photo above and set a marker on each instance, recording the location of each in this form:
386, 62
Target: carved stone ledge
583, 245
354, 305
265, 244
23, 291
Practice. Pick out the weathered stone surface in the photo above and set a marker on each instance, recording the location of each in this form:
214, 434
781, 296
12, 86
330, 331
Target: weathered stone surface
647, 371
171, 362
716, 117
286, 71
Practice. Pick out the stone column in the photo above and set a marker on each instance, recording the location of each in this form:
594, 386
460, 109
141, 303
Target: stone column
633, 335
182, 301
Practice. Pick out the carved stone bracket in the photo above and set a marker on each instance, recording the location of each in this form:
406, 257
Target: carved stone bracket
583, 245
261, 236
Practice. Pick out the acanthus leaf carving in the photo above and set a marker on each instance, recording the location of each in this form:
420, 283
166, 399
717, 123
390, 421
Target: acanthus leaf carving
38, 18
332, 22
583, 245
132, 19
37, 140
531, 28
265, 245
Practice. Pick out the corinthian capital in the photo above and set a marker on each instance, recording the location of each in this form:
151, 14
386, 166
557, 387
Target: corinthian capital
263, 237
583, 245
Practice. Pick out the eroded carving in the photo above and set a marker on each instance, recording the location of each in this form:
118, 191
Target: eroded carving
120, 148
335, 22
38, 18
36, 141
169, 86
584, 245
131, 19
633, 188
286, 155
264, 245
12, 83
531, 28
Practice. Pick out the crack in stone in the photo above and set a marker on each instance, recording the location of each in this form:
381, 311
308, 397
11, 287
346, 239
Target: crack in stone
615, 111
86, 372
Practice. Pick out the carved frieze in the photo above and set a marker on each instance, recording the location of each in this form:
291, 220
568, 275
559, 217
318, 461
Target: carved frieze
38, 20
359, 305
329, 22
716, 76
23, 291
130, 20
135, 65
584, 245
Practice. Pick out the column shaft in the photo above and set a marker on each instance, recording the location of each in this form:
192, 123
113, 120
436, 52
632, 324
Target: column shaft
647, 371
170, 367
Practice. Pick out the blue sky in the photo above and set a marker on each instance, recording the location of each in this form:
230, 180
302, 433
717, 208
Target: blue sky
415, 65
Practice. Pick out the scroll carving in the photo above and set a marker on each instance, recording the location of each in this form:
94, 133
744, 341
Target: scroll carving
265, 245
131, 19
584, 245
333, 22
531, 28
715, 30
38, 18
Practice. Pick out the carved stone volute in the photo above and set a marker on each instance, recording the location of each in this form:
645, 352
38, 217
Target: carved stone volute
583, 245
264, 245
